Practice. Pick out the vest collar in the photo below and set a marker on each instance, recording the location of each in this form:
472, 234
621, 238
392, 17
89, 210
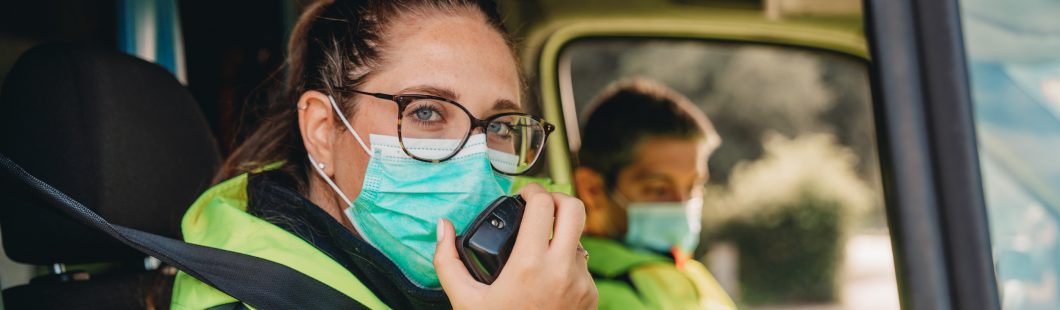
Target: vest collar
610, 258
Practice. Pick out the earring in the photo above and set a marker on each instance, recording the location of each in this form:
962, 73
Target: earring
320, 165
302, 107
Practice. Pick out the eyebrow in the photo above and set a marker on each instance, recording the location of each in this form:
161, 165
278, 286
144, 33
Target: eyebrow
436, 91
651, 175
501, 105
504, 105
654, 175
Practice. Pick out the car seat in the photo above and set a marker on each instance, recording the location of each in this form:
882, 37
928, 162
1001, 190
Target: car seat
121, 136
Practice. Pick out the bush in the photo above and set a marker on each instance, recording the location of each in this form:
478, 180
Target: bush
790, 255
788, 215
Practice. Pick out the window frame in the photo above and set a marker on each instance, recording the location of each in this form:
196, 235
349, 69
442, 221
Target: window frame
928, 146
549, 45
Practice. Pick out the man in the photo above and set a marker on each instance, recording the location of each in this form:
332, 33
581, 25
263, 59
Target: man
643, 163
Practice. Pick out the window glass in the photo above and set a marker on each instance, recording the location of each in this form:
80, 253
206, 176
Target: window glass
1014, 69
793, 213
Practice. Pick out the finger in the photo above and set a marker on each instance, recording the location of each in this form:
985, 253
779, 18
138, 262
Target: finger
570, 222
581, 261
584, 280
593, 296
451, 271
531, 189
536, 227
581, 252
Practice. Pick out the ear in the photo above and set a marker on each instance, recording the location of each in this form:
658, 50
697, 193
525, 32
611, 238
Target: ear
316, 122
703, 153
589, 186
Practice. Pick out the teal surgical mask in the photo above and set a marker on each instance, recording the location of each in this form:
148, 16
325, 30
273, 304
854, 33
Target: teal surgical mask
402, 199
660, 226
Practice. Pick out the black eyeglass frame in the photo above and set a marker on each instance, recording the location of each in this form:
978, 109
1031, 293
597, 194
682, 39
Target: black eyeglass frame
403, 100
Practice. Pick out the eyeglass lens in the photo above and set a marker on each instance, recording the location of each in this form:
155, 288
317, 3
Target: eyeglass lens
434, 130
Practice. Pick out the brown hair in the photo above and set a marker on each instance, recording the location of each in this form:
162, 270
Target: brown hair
335, 44
629, 111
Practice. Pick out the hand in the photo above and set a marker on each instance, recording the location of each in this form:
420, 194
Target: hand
541, 273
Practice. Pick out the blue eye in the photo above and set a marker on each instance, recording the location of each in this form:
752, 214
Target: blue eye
425, 114
498, 128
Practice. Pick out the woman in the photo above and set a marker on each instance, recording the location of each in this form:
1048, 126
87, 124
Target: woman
327, 183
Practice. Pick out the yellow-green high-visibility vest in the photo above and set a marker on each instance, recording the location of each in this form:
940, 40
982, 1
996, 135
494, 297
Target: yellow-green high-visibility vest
218, 218
654, 281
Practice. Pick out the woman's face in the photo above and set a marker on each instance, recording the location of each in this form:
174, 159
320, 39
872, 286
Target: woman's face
458, 57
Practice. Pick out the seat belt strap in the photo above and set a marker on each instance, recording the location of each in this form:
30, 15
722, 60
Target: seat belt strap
260, 283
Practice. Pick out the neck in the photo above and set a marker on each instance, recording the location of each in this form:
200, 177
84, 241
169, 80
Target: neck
323, 196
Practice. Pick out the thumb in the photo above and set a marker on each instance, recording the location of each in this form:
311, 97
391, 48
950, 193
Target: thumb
451, 271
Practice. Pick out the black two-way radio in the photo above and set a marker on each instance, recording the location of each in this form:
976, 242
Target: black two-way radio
487, 243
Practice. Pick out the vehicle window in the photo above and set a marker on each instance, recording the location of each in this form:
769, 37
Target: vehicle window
793, 213
1014, 73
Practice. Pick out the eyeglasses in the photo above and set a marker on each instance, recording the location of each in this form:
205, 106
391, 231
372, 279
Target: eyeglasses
514, 140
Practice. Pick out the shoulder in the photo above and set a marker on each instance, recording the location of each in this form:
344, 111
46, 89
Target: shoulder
615, 294
630, 279
611, 259
219, 219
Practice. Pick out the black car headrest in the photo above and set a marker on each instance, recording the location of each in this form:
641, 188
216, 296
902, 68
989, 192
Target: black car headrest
117, 133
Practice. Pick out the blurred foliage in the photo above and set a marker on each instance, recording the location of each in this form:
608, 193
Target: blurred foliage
790, 255
789, 215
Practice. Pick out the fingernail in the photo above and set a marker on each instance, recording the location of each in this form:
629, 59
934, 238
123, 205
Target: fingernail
441, 230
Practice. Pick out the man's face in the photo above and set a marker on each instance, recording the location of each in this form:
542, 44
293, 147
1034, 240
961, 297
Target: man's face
665, 170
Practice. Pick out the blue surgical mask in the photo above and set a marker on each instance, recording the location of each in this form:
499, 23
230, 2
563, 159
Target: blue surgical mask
402, 199
660, 226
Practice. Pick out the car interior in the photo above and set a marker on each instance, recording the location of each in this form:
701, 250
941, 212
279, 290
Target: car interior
127, 127
876, 154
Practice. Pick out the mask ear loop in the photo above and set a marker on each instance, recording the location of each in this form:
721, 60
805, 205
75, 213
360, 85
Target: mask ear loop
342, 117
320, 171
694, 209
349, 203
331, 183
